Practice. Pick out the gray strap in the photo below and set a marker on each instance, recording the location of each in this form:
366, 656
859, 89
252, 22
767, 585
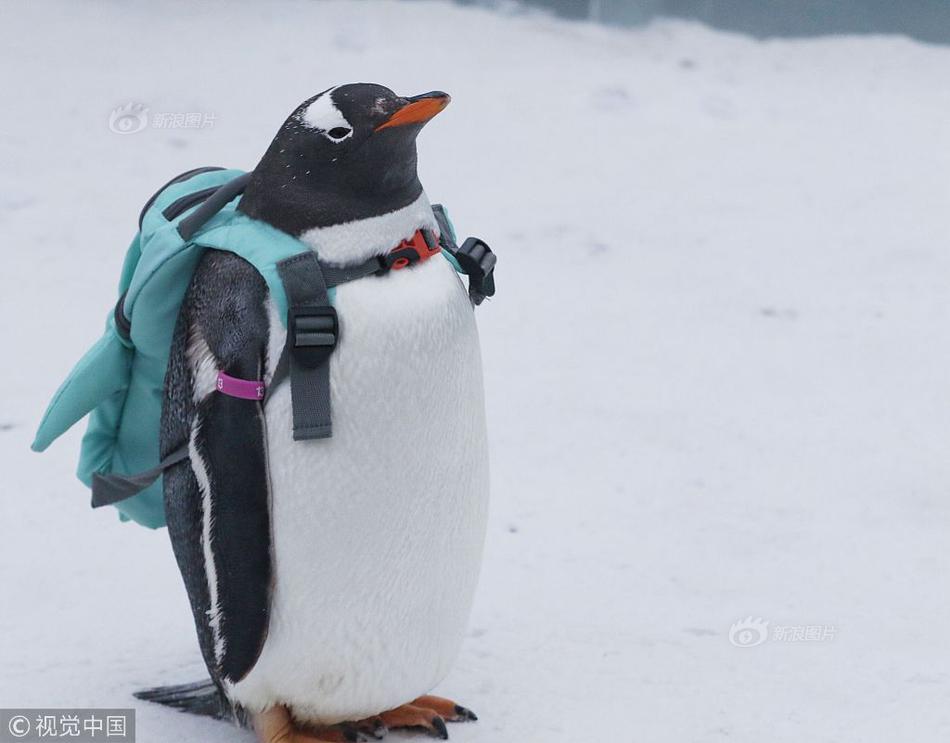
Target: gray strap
311, 338
215, 203
336, 275
108, 490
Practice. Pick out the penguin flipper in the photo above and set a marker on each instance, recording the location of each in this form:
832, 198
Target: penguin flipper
217, 504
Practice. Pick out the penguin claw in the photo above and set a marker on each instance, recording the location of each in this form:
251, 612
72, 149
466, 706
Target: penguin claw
343, 733
352, 735
464, 713
446, 708
429, 713
379, 732
374, 727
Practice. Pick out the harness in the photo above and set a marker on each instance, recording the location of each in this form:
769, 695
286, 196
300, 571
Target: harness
312, 323
316, 329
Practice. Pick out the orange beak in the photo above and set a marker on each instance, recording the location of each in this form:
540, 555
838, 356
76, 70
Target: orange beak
419, 110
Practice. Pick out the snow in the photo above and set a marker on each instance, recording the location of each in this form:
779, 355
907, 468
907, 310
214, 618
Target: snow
716, 368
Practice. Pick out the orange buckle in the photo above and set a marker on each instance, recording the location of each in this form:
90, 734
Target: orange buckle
415, 250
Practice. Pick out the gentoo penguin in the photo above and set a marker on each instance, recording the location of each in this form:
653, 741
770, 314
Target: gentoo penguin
331, 580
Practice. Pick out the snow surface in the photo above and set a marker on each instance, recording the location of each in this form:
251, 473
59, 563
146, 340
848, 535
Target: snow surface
717, 368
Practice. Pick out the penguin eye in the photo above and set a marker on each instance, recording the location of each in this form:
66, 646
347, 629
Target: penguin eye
339, 132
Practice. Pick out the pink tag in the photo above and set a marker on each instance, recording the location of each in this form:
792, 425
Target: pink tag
246, 389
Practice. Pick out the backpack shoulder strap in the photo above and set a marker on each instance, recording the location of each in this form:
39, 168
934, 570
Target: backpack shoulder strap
312, 333
214, 203
298, 288
177, 179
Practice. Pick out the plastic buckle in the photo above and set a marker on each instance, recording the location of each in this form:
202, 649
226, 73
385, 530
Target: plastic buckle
312, 334
422, 246
478, 262
398, 258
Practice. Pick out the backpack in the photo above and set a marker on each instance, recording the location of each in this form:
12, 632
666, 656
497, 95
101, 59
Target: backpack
119, 382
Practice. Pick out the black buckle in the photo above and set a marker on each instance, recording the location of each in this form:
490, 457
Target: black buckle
312, 334
478, 262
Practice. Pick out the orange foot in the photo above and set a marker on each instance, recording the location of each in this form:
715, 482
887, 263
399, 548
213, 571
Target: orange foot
276, 725
429, 713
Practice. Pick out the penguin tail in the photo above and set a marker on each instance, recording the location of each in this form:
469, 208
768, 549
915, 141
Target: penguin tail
198, 698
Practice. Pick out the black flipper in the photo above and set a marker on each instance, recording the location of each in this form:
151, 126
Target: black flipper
224, 309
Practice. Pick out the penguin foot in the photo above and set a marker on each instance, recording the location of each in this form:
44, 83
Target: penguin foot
446, 708
277, 726
429, 713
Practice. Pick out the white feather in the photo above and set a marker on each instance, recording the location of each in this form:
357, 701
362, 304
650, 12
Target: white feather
353, 242
204, 372
211, 571
322, 114
203, 365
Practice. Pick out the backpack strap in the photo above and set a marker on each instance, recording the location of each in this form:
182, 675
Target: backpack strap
109, 489
421, 246
312, 332
215, 202
336, 275
177, 179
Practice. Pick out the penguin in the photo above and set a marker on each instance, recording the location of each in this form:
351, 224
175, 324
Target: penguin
331, 580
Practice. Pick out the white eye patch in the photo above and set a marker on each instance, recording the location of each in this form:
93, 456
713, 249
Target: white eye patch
324, 116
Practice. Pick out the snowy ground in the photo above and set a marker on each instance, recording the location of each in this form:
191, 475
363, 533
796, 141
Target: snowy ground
717, 370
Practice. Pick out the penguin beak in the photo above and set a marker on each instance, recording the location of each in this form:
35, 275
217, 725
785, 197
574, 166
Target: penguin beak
418, 110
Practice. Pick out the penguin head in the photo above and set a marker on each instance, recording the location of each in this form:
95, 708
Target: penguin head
347, 153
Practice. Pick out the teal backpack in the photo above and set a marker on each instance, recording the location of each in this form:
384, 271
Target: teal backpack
119, 382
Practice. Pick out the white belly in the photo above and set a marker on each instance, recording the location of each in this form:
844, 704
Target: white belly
378, 531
